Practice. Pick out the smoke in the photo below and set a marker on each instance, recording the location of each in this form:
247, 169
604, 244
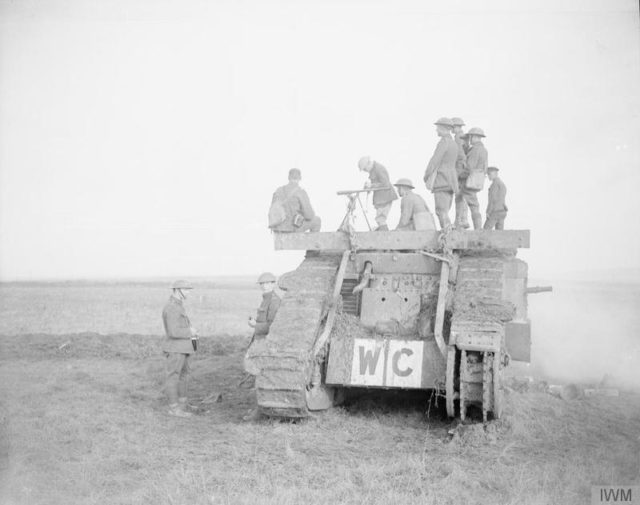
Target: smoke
585, 331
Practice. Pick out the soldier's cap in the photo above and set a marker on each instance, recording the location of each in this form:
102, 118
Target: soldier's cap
404, 182
476, 131
266, 277
181, 284
457, 121
444, 121
364, 162
295, 173
493, 169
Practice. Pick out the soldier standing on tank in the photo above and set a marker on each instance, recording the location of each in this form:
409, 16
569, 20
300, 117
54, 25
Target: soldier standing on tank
476, 162
414, 213
268, 308
462, 218
496, 207
180, 343
298, 213
383, 192
440, 176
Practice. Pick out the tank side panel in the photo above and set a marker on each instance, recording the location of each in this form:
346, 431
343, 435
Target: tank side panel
389, 363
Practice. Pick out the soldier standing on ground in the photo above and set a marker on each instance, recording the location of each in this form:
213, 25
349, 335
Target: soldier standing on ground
415, 214
496, 207
262, 323
383, 192
291, 209
462, 218
181, 341
440, 176
268, 308
472, 179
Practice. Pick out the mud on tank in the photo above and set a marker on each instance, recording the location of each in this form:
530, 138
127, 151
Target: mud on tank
395, 310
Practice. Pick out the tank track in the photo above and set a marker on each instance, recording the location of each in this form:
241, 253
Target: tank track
479, 311
283, 360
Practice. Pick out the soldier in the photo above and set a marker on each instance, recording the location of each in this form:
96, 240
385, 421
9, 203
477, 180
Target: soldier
268, 308
181, 341
290, 209
440, 176
462, 218
496, 207
415, 214
475, 167
261, 324
383, 192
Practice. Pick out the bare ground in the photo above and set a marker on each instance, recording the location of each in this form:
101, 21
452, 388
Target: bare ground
83, 421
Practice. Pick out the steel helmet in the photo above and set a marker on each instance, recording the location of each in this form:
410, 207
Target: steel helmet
493, 169
364, 162
476, 131
266, 277
181, 284
404, 182
444, 121
457, 121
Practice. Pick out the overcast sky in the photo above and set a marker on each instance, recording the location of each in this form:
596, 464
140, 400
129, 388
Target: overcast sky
145, 138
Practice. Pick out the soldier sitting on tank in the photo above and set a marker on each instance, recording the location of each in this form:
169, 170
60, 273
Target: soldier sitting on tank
383, 192
415, 214
268, 308
290, 209
496, 207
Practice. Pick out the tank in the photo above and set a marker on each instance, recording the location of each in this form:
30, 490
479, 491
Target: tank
407, 310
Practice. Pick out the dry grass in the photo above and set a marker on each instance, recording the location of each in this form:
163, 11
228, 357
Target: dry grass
87, 424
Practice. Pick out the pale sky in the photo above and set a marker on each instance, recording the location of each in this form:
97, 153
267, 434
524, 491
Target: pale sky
145, 138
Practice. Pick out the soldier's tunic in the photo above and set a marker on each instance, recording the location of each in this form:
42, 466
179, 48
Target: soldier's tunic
461, 165
177, 348
497, 207
383, 197
296, 203
445, 183
414, 214
266, 314
477, 161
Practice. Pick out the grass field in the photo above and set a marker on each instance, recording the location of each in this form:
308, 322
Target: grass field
84, 422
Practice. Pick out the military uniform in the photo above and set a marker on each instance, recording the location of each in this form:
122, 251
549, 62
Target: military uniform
266, 314
177, 347
445, 185
414, 214
477, 161
461, 165
384, 197
496, 208
296, 203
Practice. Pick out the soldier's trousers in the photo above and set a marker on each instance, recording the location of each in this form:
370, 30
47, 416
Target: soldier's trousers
443, 201
495, 219
381, 214
468, 198
177, 372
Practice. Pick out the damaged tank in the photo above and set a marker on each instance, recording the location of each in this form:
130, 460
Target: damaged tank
396, 310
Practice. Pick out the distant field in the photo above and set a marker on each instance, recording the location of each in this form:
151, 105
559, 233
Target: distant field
56, 308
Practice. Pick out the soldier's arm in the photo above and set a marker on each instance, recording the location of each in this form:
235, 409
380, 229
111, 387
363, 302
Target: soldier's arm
405, 214
305, 205
381, 177
435, 160
273, 308
177, 323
